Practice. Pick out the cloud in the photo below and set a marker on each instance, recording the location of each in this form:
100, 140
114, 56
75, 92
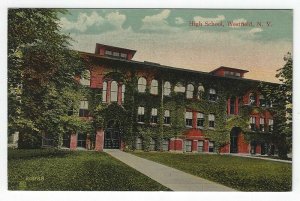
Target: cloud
156, 22
84, 21
219, 18
240, 20
179, 20
255, 30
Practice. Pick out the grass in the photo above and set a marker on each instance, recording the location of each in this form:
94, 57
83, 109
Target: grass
49, 169
244, 174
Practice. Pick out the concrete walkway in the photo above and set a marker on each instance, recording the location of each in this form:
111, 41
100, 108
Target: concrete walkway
174, 179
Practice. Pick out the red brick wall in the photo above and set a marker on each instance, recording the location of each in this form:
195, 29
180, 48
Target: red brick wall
97, 73
73, 141
175, 145
205, 146
225, 149
99, 144
194, 145
258, 149
243, 146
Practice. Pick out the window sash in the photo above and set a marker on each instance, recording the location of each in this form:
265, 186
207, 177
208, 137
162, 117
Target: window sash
271, 122
141, 110
261, 121
212, 91
154, 87
154, 112
188, 115
211, 117
84, 104
167, 113
142, 84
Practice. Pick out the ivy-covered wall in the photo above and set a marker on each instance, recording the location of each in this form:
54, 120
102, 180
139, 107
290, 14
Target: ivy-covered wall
177, 103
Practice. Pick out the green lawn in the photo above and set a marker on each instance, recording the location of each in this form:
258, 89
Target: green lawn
81, 170
244, 174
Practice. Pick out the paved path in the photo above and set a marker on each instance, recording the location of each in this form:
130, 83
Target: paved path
174, 179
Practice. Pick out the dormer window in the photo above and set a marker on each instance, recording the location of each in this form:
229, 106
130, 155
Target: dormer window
116, 54
124, 56
108, 52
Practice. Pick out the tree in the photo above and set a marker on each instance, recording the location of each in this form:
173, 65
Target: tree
41, 72
281, 97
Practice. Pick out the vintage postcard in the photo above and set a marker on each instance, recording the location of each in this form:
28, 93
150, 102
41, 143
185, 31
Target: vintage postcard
150, 99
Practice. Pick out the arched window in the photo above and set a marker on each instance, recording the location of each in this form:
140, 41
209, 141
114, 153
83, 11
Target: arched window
189, 91
200, 91
167, 88
123, 93
154, 87
114, 91
252, 99
104, 92
85, 78
212, 95
179, 88
142, 85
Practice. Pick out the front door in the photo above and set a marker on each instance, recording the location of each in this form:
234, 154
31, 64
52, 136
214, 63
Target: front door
112, 138
234, 139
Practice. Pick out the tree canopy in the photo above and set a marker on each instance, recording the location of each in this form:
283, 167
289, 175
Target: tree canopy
281, 97
41, 71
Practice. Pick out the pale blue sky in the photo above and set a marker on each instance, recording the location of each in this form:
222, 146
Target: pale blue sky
165, 36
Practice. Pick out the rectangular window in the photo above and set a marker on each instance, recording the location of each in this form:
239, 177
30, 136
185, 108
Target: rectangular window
253, 123
232, 106
81, 140
84, 109
152, 145
154, 116
188, 119
188, 146
165, 145
212, 95
167, 118
211, 119
211, 147
271, 122
200, 120
262, 101
262, 124
200, 146
141, 114
138, 144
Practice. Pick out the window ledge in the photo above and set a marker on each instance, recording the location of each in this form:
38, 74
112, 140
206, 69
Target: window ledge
200, 127
141, 122
211, 128
169, 125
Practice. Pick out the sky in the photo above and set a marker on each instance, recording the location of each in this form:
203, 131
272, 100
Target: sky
171, 37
